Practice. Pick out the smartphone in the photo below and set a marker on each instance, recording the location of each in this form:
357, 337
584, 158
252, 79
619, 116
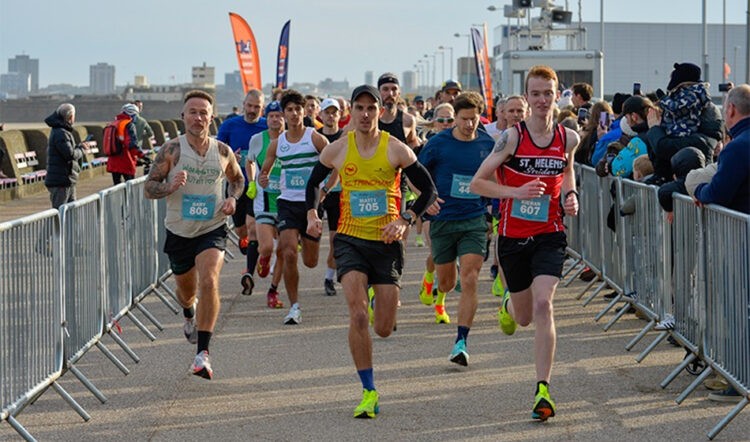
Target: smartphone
636, 88
725, 87
89, 137
604, 119
583, 114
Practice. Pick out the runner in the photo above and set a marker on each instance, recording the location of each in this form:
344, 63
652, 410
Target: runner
534, 163
264, 204
297, 149
459, 230
330, 114
368, 243
190, 172
236, 132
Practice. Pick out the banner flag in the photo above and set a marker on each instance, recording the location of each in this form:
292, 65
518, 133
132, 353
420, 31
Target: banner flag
282, 59
483, 68
247, 53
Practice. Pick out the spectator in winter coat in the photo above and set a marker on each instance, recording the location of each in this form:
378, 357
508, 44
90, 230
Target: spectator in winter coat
122, 166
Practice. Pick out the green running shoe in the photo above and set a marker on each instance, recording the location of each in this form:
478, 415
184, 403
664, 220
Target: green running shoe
368, 408
504, 319
459, 354
425, 292
544, 406
497, 286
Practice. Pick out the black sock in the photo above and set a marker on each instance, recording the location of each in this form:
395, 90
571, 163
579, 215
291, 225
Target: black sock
252, 256
204, 337
274, 287
541, 383
189, 312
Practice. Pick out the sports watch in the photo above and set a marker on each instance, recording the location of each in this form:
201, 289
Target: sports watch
406, 216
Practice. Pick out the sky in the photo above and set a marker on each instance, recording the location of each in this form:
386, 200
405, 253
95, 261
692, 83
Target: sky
338, 39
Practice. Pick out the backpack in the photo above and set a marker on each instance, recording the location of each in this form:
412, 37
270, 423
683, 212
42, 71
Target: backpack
114, 137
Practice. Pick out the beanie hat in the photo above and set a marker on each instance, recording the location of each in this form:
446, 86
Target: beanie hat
636, 104
685, 160
617, 102
130, 109
684, 72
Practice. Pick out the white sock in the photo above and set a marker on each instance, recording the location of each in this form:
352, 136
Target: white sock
330, 273
295, 305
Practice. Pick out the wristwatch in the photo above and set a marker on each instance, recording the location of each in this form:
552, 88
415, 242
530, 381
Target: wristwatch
406, 216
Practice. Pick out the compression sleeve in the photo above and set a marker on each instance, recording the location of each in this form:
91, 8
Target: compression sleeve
312, 191
420, 178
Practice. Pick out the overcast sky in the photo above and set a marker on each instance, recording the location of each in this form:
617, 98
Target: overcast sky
340, 39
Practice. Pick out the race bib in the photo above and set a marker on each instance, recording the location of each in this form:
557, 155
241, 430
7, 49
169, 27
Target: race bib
198, 207
460, 187
274, 185
296, 179
535, 209
368, 203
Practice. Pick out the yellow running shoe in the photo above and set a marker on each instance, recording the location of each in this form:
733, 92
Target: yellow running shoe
371, 304
544, 406
441, 316
425, 293
504, 319
497, 286
368, 408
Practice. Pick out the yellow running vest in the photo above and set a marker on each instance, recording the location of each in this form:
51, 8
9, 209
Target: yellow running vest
370, 195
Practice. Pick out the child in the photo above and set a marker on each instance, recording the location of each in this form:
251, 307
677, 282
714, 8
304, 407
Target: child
686, 100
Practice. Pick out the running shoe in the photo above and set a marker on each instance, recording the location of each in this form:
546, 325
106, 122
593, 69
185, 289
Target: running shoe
497, 286
459, 355
419, 241
202, 366
493, 271
247, 284
371, 304
272, 299
368, 408
544, 406
425, 292
294, 316
441, 316
504, 319
264, 266
665, 324
244, 242
191, 333
330, 288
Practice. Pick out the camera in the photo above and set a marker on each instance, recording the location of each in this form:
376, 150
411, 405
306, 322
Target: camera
725, 87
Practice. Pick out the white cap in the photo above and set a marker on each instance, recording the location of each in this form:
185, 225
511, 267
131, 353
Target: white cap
130, 109
328, 102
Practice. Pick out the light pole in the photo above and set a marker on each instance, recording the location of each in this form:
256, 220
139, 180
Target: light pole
450, 48
427, 73
416, 70
468, 42
442, 62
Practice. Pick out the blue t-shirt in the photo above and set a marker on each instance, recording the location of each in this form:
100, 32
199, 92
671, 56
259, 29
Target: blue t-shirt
236, 132
452, 164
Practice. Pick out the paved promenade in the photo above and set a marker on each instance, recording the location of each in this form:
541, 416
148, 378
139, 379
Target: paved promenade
280, 382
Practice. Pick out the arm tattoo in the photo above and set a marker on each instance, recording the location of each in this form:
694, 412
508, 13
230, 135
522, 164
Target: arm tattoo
224, 150
156, 185
501, 142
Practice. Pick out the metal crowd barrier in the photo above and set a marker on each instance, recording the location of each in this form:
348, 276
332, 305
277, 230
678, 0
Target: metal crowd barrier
698, 267
31, 314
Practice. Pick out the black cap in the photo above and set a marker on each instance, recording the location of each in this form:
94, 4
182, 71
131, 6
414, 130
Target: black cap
418, 98
366, 89
450, 84
636, 103
684, 72
388, 77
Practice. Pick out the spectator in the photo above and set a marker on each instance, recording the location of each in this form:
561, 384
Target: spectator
683, 162
590, 132
122, 166
143, 130
604, 166
683, 105
730, 186
642, 168
614, 133
62, 156
634, 110
581, 98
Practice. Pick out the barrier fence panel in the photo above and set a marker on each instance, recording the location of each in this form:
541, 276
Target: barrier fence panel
612, 266
590, 222
114, 201
31, 312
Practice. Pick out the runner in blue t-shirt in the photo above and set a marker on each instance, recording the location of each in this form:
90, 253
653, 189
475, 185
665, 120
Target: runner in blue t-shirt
236, 132
459, 230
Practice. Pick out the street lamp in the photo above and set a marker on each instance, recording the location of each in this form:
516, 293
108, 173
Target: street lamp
450, 48
468, 42
442, 62
427, 72
434, 65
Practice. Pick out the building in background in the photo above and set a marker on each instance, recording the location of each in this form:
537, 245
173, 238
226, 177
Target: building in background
409, 81
467, 73
102, 79
203, 76
15, 85
369, 78
23, 64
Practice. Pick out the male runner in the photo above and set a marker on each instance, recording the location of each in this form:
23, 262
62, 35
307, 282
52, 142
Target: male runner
264, 203
189, 172
367, 246
534, 163
459, 230
297, 149
236, 132
330, 114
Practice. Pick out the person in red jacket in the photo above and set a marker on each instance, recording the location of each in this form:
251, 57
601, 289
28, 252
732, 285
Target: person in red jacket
122, 166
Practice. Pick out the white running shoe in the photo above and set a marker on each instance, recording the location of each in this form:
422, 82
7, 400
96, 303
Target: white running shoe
202, 366
191, 333
294, 317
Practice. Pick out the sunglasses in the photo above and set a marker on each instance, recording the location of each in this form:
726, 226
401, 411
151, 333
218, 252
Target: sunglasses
445, 120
